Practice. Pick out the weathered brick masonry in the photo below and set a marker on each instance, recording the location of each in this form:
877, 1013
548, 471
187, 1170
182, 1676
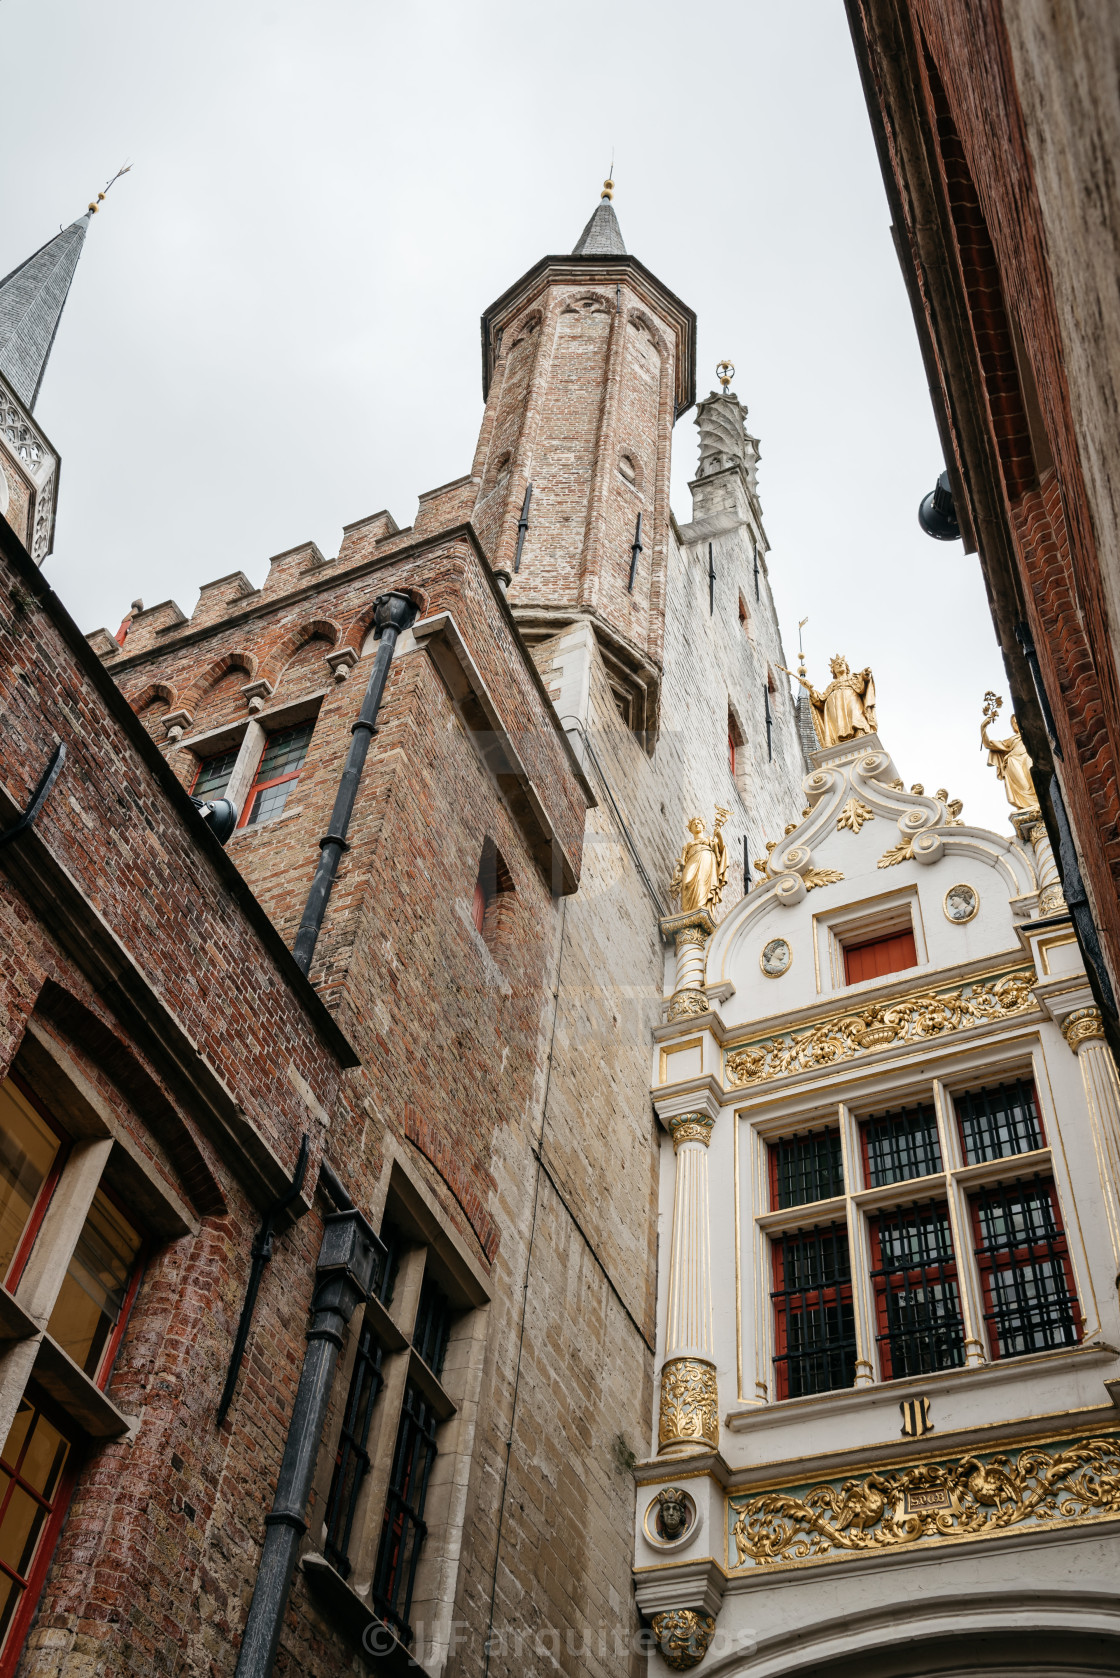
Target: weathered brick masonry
997, 126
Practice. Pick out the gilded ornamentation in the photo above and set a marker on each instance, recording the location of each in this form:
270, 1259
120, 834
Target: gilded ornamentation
909, 1019
690, 1127
1051, 900
686, 1004
897, 853
1082, 1026
1009, 758
683, 1636
701, 871
846, 708
694, 934
814, 877
854, 814
962, 1497
689, 1404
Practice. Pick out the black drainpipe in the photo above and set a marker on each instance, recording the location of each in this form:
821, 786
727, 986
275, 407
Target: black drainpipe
343, 1276
393, 612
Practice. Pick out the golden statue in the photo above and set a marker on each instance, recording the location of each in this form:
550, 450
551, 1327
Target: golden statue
701, 871
1009, 757
846, 708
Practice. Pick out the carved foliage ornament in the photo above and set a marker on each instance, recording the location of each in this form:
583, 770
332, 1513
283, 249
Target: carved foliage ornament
910, 1019
965, 1497
854, 814
1083, 1026
691, 1127
689, 1404
684, 1004
683, 1636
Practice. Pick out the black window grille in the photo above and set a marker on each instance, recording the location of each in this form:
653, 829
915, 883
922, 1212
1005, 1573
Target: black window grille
901, 1145
998, 1122
806, 1168
1029, 1298
814, 1318
433, 1325
916, 1293
351, 1464
403, 1529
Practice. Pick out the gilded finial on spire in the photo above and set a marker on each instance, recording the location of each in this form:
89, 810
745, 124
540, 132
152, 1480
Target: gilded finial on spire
608, 190
100, 199
725, 372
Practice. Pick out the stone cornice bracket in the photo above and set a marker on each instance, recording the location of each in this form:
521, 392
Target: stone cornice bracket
256, 693
341, 662
175, 722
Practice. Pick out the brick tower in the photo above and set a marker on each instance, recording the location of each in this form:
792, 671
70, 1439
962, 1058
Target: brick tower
587, 362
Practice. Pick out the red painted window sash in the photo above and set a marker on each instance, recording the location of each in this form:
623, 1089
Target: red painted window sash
1017, 1255
823, 1297
262, 786
50, 1183
875, 958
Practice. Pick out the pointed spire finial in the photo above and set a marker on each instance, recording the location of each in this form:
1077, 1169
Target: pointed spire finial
100, 199
608, 190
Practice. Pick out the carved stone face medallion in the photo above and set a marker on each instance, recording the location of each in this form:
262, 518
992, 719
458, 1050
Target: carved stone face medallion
961, 903
775, 958
671, 1517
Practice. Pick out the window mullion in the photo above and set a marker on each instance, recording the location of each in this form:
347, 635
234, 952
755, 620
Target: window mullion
244, 770
62, 1226
762, 1271
381, 1445
859, 1246
968, 1272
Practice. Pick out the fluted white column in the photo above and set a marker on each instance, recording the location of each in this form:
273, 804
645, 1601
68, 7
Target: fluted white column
689, 1411
1084, 1033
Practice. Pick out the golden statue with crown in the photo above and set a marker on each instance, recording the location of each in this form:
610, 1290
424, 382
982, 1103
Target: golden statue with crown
846, 708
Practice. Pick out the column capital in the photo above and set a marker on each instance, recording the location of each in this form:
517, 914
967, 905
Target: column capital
690, 1127
1084, 1025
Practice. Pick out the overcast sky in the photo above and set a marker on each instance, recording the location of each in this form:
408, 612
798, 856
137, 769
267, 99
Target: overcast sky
273, 329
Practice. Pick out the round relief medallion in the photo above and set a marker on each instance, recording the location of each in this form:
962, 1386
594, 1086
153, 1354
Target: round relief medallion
961, 903
775, 958
671, 1518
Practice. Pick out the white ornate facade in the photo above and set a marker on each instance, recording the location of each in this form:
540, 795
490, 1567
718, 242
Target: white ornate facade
890, 1236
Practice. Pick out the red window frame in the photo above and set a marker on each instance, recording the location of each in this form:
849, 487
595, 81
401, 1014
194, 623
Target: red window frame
11, 1649
821, 1297
731, 750
876, 957
1029, 1251
203, 761
50, 1182
275, 780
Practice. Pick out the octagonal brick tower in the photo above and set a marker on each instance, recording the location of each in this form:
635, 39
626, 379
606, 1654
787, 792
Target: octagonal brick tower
587, 362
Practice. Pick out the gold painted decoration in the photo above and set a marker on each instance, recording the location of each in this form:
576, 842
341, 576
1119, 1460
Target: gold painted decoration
1083, 1026
897, 853
853, 815
940, 1501
686, 1004
814, 877
908, 1019
1009, 758
701, 871
846, 708
684, 1636
689, 1413
690, 1127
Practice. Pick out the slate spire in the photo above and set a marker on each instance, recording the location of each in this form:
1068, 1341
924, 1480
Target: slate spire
602, 236
32, 298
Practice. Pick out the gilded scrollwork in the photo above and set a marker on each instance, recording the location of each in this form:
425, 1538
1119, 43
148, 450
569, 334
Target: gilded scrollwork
684, 1004
909, 1019
689, 1404
854, 814
814, 877
964, 1497
684, 1636
903, 852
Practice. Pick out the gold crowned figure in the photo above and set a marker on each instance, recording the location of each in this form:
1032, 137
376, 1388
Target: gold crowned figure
701, 871
1009, 758
846, 708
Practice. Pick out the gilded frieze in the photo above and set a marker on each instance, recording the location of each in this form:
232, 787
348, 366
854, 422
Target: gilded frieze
908, 1019
689, 1413
945, 1500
